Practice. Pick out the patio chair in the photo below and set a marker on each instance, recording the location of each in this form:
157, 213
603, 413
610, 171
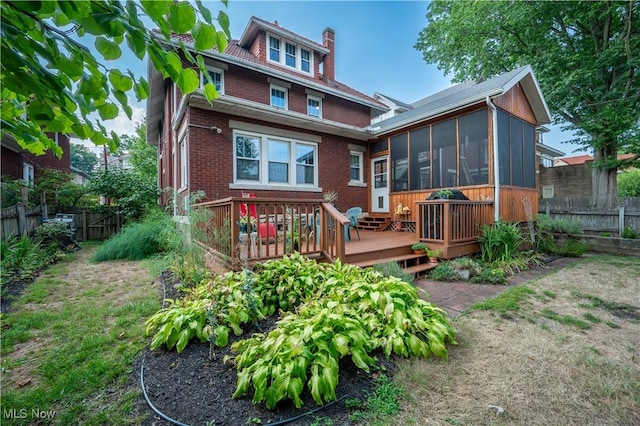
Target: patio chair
352, 214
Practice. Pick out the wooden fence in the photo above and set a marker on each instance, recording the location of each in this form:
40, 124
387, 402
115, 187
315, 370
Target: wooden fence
89, 224
578, 209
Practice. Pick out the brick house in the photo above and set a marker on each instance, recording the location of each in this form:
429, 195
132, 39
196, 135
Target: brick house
284, 127
21, 164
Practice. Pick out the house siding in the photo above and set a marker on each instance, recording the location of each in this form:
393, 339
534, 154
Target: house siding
515, 102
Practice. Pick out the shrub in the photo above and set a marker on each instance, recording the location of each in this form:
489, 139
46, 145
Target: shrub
629, 233
138, 240
464, 268
629, 183
499, 242
490, 276
393, 269
443, 272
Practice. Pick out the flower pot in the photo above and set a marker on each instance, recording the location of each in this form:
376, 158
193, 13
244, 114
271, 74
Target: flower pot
433, 260
419, 251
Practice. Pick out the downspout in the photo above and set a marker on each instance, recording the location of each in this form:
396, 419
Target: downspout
496, 164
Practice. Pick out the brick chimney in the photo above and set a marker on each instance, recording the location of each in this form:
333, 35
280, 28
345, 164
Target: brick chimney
329, 64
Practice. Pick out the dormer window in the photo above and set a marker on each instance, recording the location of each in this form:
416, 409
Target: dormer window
274, 49
293, 55
290, 55
305, 60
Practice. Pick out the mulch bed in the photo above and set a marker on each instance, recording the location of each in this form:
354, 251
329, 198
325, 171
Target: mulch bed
194, 390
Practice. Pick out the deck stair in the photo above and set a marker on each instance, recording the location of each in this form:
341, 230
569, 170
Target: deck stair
373, 223
414, 264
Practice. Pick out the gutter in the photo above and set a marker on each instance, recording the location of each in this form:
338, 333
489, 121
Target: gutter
496, 163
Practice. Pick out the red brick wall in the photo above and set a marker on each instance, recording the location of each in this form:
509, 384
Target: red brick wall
254, 86
259, 45
12, 161
211, 162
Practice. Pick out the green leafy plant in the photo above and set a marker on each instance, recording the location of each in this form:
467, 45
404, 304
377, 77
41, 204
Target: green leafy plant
420, 247
464, 268
329, 311
443, 272
490, 276
383, 403
499, 242
629, 233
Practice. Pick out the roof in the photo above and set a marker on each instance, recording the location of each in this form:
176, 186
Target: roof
393, 100
469, 93
239, 55
256, 23
578, 159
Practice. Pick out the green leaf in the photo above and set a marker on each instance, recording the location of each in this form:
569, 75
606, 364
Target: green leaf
210, 91
204, 36
188, 81
222, 336
136, 43
108, 111
182, 17
119, 81
156, 9
221, 42
223, 20
141, 89
108, 49
206, 14
183, 340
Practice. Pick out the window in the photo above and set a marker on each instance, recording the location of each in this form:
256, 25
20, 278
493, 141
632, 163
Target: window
275, 161
217, 79
183, 162
279, 158
247, 158
305, 60
290, 55
516, 151
314, 106
278, 97
293, 55
274, 49
399, 163
356, 168
27, 173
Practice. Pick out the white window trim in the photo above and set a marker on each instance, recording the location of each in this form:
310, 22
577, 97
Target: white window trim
184, 163
360, 156
319, 100
263, 183
203, 80
283, 54
28, 178
286, 96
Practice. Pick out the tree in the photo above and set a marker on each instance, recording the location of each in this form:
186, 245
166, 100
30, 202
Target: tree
143, 157
629, 183
82, 158
585, 56
51, 82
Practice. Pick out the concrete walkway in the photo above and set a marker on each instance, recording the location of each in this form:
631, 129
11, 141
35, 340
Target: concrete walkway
456, 297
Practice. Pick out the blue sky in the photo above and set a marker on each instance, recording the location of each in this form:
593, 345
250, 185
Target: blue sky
373, 45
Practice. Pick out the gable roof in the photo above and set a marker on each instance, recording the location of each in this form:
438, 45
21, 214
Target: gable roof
391, 100
469, 93
256, 23
578, 159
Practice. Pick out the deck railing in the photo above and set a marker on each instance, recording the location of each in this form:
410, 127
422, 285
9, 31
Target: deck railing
451, 222
249, 230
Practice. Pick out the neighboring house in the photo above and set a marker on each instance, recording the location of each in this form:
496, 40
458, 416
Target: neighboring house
283, 127
572, 161
78, 176
18, 163
545, 154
